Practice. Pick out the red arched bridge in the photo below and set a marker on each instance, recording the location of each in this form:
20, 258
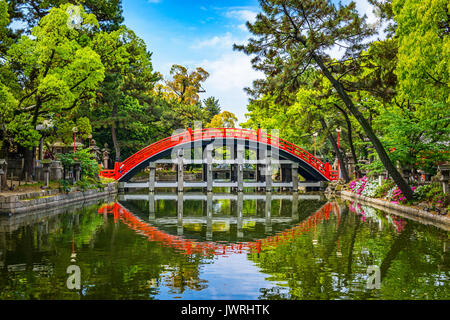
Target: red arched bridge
196, 147
189, 246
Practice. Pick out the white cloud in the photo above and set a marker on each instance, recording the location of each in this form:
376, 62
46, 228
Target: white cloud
230, 72
242, 14
365, 8
229, 75
154, 1
243, 27
216, 41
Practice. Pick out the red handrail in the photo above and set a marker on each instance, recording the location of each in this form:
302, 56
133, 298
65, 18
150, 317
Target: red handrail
122, 168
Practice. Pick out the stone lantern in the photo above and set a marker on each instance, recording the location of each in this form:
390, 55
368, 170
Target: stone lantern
3, 168
351, 164
46, 170
95, 151
76, 171
444, 176
105, 156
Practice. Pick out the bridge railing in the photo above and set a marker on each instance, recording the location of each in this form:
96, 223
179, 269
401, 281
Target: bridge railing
121, 168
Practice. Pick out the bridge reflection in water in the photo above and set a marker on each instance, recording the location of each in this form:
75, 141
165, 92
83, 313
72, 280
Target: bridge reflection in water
247, 231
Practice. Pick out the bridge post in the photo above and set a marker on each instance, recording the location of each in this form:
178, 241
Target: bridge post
268, 169
294, 176
240, 167
268, 222
295, 206
240, 205
209, 171
180, 214
151, 206
152, 177
209, 207
180, 169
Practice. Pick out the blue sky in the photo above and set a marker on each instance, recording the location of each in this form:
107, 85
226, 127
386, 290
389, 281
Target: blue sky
201, 34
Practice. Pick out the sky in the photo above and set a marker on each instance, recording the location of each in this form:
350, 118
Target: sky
201, 33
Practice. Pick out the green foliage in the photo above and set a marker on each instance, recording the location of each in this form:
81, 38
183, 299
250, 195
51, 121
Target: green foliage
55, 70
424, 49
370, 189
89, 167
225, 119
382, 190
212, 107
65, 186
87, 183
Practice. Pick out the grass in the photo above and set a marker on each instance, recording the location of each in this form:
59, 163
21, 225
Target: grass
36, 187
33, 187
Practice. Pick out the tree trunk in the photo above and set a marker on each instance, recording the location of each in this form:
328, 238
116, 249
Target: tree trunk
28, 164
342, 162
114, 135
350, 138
384, 158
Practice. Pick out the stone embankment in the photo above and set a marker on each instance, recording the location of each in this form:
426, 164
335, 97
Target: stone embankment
406, 211
26, 202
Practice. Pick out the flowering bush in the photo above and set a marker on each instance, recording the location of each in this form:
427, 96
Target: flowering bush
421, 192
357, 186
382, 190
432, 194
395, 195
364, 186
370, 188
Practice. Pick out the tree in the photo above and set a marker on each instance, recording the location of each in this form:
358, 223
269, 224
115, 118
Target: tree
292, 35
4, 21
185, 86
124, 100
54, 71
225, 119
423, 49
28, 13
212, 107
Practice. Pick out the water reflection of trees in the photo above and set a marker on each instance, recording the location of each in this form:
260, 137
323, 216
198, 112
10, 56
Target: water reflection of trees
118, 264
114, 262
413, 260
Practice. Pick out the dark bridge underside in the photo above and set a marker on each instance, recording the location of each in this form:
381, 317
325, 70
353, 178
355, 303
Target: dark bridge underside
304, 169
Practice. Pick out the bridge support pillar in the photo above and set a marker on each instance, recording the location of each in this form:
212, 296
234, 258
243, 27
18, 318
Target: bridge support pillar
209, 213
268, 171
180, 214
240, 205
151, 206
180, 170
268, 222
294, 176
209, 171
295, 206
240, 167
152, 177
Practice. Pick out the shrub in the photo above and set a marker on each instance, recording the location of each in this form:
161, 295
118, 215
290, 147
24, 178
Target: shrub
383, 189
64, 186
357, 186
370, 188
421, 192
89, 167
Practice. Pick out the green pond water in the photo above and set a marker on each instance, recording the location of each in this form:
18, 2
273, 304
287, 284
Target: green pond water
221, 246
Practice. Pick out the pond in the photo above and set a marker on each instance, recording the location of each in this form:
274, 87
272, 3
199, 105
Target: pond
221, 246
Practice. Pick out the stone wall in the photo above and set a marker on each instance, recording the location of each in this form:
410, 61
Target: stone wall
408, 212
32, 201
